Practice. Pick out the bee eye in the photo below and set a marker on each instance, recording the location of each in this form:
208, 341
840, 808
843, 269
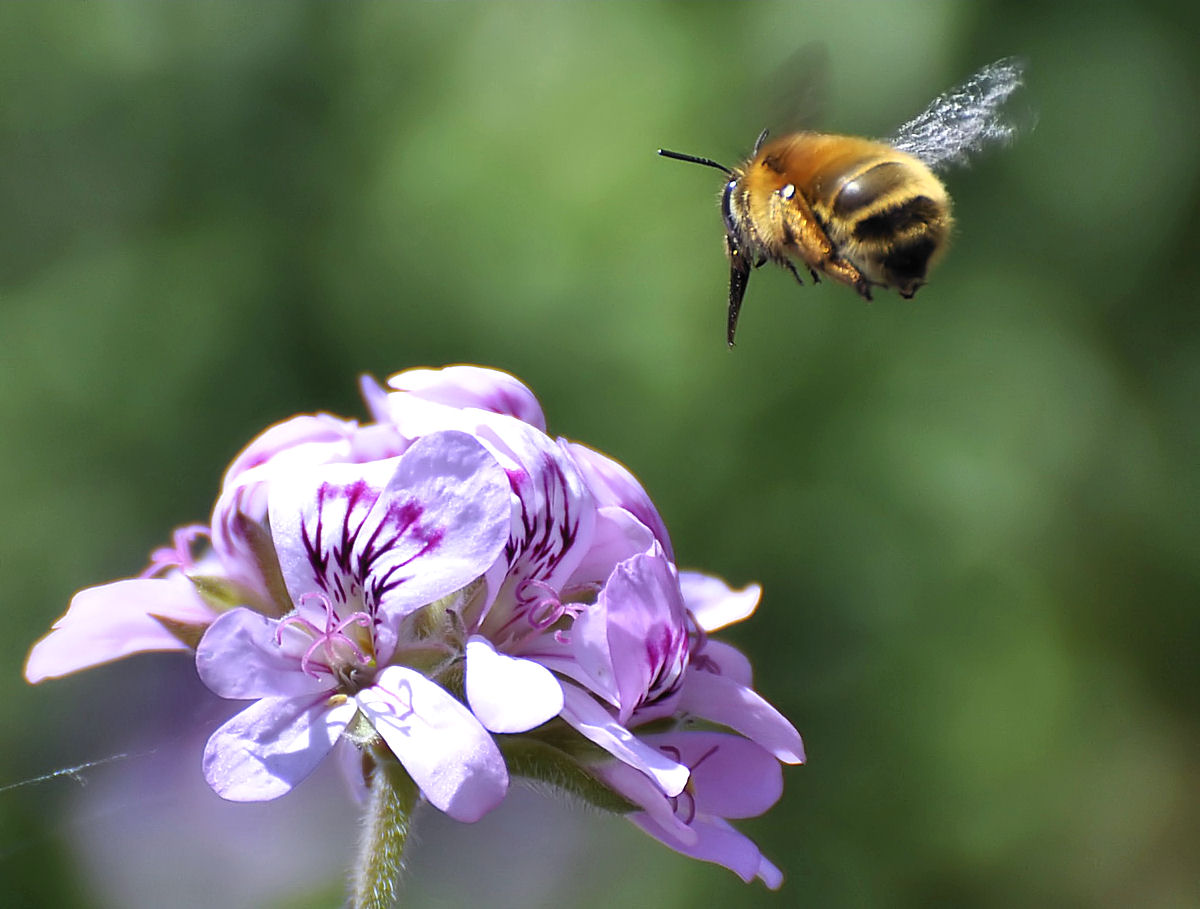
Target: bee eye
727, 207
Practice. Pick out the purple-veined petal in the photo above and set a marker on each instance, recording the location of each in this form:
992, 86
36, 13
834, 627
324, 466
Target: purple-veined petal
552, 526
555, 523
441, 744
724, 701
636, 632
393, 535
316, 518
612, 484
509, 694
472, 386
239, 657
731, 776
302, 442
264, 751
724, 659
115, 620
449, 510
719, 843
596, 724
714, 603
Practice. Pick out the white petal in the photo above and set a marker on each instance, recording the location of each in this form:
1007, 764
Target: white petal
509, 694
265, 750
714, 603
441, 744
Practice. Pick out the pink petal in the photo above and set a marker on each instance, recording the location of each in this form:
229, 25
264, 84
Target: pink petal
725, 659
612, 484
472, 386
115, 620
264, 751
238, 657
618, 536
639, 789
466, 512
719, 843
506, 693
592, 653
597, 725
714, 603
441, 744
731, 776
301, 443
638, 625
305, 432
769, 873
722, 700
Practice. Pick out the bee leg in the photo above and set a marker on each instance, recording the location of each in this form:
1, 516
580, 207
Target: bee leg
816, 277
792, 268
807, 240
846, 273
739, 277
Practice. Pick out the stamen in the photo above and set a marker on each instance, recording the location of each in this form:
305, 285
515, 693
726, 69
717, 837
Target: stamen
179, 553
543, 608
333, 640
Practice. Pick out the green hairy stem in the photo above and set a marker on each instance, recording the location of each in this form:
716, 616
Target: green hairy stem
385, 831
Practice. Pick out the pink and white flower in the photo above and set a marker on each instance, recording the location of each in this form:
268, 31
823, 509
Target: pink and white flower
441, 575
363, 550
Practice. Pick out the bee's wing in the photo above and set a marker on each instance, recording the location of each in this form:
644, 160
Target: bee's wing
965, 119
798, 94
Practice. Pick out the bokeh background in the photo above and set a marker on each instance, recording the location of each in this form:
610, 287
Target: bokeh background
974, 515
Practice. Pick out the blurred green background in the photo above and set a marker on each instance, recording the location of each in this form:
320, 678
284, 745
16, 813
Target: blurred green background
974, 515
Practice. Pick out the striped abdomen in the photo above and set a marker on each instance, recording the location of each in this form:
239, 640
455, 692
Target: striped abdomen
883, 210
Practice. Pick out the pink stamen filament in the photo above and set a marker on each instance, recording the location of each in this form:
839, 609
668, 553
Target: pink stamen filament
684, 804
544, 608
179, 553
332, 636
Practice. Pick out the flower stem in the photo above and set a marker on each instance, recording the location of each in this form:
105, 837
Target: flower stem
385, 831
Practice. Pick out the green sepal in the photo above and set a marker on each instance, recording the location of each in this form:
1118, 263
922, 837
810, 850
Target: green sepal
189, 633
258, 535
541, 763
221, 594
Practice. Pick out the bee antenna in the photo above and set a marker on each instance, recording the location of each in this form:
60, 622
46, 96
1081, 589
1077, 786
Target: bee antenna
707, 162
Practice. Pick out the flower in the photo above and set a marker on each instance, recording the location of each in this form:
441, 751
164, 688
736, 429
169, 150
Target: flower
449, 586
731, 776
362, 549
624, 631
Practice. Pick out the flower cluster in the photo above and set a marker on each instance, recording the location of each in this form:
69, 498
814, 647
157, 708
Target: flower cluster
448, 585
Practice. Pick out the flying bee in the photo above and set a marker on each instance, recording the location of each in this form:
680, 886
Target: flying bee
864, 212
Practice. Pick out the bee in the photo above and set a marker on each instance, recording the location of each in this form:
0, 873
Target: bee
865, 212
